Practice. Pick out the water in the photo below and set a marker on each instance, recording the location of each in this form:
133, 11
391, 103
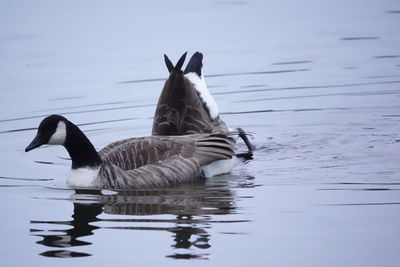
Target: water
316, 83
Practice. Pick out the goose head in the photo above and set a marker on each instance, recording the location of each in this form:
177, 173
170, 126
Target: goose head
52, 131
57, 130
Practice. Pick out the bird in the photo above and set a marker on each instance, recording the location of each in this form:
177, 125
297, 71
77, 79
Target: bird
186, 106
135, 163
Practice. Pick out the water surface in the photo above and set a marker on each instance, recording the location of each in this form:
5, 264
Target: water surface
317, 84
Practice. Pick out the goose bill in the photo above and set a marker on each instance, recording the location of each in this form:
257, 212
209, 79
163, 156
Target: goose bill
36, 142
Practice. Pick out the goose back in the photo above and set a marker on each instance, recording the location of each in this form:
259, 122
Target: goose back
160, 161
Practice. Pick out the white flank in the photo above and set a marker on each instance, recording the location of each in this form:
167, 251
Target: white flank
82, 177
58, 137
220, 167
200, 86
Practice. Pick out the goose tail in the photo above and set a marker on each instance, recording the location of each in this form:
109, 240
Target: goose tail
214, 147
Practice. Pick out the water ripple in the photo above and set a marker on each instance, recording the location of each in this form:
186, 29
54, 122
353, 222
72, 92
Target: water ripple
78, 112
306, 87
372, 93
79, 124
364, 204
26, 179
221, 75
360, 38
292, 62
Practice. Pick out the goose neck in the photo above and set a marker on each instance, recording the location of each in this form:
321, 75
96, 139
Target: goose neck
80, 149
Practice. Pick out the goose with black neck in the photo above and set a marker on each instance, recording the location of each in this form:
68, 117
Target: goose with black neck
133, 163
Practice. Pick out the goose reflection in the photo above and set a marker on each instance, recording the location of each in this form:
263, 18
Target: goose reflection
83, 215
192, 205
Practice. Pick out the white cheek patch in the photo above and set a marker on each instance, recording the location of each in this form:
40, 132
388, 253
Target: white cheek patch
201, 88
58, 138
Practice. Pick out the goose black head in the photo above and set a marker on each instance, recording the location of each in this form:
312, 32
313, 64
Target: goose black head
52, 130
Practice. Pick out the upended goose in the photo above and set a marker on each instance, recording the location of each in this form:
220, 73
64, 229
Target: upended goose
185, 105
135, 162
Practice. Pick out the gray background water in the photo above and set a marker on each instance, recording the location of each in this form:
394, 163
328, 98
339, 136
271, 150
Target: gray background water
316, 82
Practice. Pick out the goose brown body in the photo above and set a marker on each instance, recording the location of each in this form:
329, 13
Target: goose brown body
160, 160
145, 162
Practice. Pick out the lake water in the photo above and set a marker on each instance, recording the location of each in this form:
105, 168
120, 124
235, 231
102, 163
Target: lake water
316, 83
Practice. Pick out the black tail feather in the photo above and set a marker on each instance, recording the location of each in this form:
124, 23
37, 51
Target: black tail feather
179, 65
169, 64
195, 64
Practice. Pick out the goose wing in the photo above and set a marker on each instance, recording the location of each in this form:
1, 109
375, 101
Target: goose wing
174, 159
133, 153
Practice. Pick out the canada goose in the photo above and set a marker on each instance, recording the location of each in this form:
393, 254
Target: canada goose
135, 162
185, 105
